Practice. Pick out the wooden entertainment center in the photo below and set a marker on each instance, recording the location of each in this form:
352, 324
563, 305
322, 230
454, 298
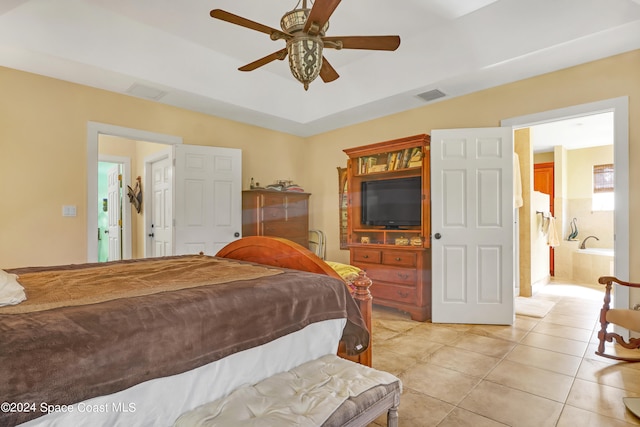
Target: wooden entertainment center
398, 260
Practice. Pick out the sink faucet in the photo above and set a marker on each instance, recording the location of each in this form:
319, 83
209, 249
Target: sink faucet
582, 246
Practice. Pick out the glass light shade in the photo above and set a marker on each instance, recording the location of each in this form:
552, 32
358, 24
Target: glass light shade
294, 21
305, 58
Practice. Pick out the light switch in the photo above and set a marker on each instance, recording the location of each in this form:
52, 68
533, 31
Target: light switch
69, 210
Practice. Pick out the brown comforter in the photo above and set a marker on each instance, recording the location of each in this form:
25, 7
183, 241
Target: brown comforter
71, 353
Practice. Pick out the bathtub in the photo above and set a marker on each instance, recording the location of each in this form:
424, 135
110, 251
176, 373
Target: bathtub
597, 251
591, 263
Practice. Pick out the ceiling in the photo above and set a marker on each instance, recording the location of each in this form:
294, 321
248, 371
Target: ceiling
578, 132
173, 52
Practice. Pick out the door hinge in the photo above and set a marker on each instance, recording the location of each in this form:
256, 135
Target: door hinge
120, 223
120, 177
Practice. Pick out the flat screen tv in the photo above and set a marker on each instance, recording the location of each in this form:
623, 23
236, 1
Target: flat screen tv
392, 203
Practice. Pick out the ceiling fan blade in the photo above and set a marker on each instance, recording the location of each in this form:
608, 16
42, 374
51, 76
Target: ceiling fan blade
281, 54
319, 15
363, 42
244, 22
327, 72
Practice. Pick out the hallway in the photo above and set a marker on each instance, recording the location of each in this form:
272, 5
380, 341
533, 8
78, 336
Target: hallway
538, 372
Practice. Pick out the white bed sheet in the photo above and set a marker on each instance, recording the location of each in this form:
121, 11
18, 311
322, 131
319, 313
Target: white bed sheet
159, 402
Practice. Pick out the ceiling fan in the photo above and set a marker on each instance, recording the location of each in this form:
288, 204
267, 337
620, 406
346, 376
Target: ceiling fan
304, 31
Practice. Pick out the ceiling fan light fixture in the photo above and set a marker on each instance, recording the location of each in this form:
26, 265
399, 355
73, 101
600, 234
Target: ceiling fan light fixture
294, 21
305, 58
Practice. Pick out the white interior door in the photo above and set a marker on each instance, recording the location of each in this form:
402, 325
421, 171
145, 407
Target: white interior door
472, 226
208, 198
114, 211
161, 232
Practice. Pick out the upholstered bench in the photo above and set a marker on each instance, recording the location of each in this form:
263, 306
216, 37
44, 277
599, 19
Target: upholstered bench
329, 391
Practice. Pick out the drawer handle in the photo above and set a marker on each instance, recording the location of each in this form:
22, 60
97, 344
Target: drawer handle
403, 276
398, 258
403, 294
365, 256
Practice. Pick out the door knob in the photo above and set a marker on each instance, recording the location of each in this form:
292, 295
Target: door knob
236, 234
437, 236
151, 235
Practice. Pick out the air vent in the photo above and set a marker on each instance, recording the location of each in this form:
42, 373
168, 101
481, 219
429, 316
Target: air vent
147, 92
431, 95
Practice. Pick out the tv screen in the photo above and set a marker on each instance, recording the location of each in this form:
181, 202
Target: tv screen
392, 203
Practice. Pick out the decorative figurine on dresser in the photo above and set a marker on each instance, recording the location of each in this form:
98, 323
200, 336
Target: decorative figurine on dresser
389, 221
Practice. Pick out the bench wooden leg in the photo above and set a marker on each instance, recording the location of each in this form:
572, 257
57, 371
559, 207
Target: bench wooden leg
392, 417
392, 414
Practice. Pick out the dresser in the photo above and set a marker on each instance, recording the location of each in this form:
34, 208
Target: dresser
276, 214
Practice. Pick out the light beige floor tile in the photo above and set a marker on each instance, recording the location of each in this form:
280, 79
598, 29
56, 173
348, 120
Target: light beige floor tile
573, 417
560, 345
511, 407
493, 347
410, 346
439, 334
387, 360
463, 418
508, 333
545, 359
438, 382
582, 322
540, 382
418, 410
618, 375
442, 363
397, 325
467, 362
561, 331
525, 323
602, 399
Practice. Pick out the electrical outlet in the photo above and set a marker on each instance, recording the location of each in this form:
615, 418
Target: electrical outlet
69, 210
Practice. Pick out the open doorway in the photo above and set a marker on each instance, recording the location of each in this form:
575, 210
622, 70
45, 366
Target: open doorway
583, 150
95, 133
620, 109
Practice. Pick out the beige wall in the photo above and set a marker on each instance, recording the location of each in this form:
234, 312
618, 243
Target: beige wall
43, 147
608, 78
43, 140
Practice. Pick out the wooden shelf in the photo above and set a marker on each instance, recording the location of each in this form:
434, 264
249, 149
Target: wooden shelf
397, 260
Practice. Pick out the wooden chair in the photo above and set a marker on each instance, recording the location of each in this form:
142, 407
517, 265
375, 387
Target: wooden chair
626, 318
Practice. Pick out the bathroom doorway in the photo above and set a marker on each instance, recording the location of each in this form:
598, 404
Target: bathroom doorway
620, 109
581, 147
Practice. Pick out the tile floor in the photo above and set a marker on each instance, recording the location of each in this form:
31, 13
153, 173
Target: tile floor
538, 372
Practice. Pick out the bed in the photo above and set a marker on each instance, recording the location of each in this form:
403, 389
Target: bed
95, 349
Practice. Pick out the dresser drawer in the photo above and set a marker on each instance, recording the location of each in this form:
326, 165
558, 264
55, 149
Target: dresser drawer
403, 294
273, 213
285, 229
403, 259
384, 273
273, 199
367, 255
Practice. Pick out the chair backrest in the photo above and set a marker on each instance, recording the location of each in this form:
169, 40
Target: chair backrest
317, 243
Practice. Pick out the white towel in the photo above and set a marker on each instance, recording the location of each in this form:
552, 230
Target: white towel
11, 292
552, 234
517, 183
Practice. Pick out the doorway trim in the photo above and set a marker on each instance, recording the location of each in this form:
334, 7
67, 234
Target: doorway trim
126, 207
620, 107
94, 130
